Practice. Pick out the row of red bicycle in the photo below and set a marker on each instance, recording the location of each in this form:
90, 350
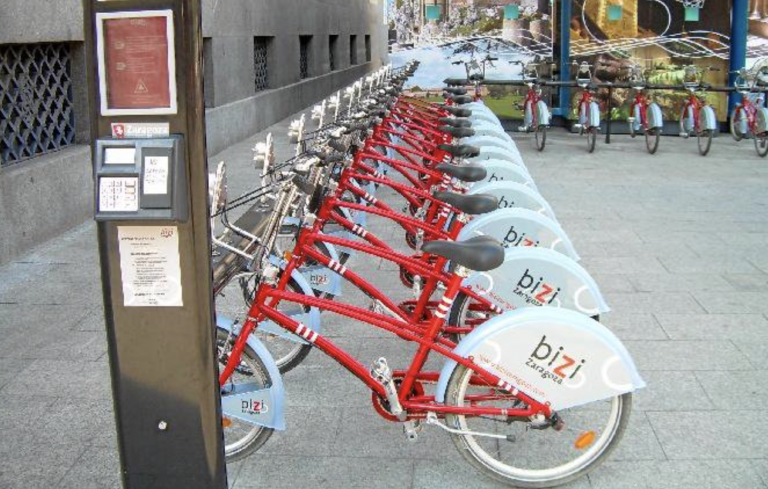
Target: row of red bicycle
533, 390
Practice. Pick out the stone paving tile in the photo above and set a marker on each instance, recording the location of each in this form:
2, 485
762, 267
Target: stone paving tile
750, 327
707, 435
281, 472
677, 474
687, 355
740, 281
673, 390
743, 302
624, 265
678, 282
703, 265
64, 378
95, 469
639, 441
747, 390
654, 302
628, 326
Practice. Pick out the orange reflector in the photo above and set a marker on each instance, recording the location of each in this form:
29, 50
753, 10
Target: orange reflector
585, 440
287, 255
226, 422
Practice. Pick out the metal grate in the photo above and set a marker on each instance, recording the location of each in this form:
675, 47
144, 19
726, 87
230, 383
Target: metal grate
352, 50
36, 100
332, 47
261, 63
304, 42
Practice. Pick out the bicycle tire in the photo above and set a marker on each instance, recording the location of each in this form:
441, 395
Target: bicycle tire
704, 141
735, 132
259, 437
591, 139
761, 145
540, 135
470, 449
652, 137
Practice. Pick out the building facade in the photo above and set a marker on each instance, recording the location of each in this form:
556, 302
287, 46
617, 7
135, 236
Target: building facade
264, 60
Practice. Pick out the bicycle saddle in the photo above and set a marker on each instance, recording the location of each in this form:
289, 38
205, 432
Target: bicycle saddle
461, 150
462, 99
476, 77
456, 90
457, 111
455, 81
466, 173
455, 121
473, 205
458, 132
480, 253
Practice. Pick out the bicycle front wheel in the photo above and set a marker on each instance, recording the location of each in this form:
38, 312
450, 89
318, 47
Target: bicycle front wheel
704, 140
534, 458
240, 438
761, 144
652, 139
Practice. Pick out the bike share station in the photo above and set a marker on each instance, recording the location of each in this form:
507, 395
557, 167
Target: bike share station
151, 180
515, 317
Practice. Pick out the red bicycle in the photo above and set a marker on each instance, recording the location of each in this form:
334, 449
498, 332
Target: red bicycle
750, 117
644, 114
697, 117
536, 116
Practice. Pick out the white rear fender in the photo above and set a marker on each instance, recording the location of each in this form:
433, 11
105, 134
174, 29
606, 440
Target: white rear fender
513, 195
555, 356
535, 277
520, 227
498, 171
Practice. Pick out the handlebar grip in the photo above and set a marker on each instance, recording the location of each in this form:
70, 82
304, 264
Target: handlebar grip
457, 62
492, 58
302, 184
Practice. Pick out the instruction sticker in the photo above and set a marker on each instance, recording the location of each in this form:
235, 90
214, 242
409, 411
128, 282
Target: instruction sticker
150, 266
155, 175
118, 194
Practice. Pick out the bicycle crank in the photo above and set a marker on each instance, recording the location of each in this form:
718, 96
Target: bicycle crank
433, 420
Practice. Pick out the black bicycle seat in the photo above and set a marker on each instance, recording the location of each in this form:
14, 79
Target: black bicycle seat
479, 253
456, 90
476, 77
462, 99
466, 173
458, 132
457, 111
473, 205
455, 121
460, 150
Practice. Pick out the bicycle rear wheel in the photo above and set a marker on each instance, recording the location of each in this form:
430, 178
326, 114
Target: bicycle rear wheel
652, 139
540, 135
737, 123
534, 458
591, 139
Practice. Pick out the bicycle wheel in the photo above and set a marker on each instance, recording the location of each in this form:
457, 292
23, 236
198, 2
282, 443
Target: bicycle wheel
235, 300
704, 140
652, 139
737, 123
240, 438
533, 458
591, 139
761, 144
467, 313
540, 135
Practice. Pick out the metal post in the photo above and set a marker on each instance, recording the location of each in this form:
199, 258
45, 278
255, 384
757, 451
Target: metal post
609, 116
145, 73
739, 30
565, 55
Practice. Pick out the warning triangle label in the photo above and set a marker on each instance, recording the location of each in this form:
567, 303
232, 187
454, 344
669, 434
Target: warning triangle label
141, 88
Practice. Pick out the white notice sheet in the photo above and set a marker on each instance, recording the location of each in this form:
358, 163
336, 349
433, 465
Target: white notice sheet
150, 266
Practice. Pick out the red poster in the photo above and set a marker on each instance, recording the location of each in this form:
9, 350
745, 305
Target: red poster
136, 62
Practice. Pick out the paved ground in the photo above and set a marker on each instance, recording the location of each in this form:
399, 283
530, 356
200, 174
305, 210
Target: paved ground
678, 243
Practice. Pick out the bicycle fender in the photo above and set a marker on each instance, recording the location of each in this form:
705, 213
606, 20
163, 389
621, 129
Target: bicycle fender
655, 116
761, 120
520, 227
499, 153
270, 401
504, 172
539, 277
708, 118
594, 114
513, 195
542, 113
528, 115
556, 356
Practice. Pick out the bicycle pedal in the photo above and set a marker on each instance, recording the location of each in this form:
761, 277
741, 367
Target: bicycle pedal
412, 430
522, 129
684, 135
578, 126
